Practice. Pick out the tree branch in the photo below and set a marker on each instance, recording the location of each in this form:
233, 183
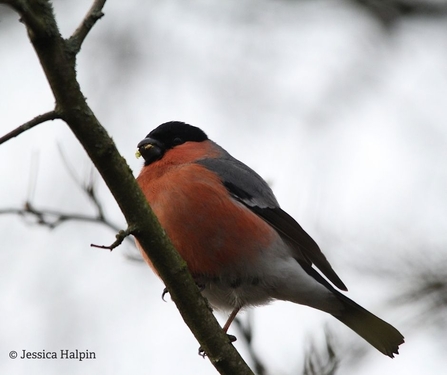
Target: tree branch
59, 69
93, 15
120, 237
52, 115
53, 218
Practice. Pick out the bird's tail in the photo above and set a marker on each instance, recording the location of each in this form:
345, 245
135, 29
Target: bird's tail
383, 336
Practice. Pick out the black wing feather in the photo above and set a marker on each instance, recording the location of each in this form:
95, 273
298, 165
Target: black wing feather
246, 186
296, 236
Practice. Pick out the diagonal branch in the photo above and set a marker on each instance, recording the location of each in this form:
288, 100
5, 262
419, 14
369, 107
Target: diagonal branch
59, 68
93, 15
52, 115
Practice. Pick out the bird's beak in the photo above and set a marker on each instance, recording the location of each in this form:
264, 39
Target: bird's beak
150, 149
142, 146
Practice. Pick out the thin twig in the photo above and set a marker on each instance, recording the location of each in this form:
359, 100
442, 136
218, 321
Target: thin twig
88, 188
52, 115
120, 237
52, 218
93, 15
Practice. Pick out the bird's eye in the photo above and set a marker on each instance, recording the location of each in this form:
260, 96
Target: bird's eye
177, 141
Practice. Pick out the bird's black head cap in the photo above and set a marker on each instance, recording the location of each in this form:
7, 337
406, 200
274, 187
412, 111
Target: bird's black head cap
175, 133
167, 136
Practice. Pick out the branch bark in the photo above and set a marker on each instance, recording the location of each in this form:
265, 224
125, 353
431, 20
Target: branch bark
52, 115
58, 64
93, 15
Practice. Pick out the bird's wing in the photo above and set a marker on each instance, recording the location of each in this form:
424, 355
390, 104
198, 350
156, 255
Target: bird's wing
247, 187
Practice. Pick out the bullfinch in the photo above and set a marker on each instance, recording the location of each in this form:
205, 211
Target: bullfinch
241, 248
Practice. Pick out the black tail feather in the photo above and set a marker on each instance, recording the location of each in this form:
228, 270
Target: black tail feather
383, 336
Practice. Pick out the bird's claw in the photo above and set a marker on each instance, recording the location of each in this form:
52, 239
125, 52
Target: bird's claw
232, 338
202, 351
165, 291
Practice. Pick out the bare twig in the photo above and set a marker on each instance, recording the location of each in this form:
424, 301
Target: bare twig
88, 188
52, 115
93, 15
53, 218
120, 237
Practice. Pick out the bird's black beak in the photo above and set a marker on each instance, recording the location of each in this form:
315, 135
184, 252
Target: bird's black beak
150, 149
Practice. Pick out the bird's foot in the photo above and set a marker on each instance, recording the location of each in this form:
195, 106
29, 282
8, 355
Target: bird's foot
202, 352
165, 291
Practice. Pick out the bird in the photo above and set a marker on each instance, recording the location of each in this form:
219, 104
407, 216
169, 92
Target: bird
240, 247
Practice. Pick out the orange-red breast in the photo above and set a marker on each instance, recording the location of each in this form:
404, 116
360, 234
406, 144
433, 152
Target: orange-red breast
240, 246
